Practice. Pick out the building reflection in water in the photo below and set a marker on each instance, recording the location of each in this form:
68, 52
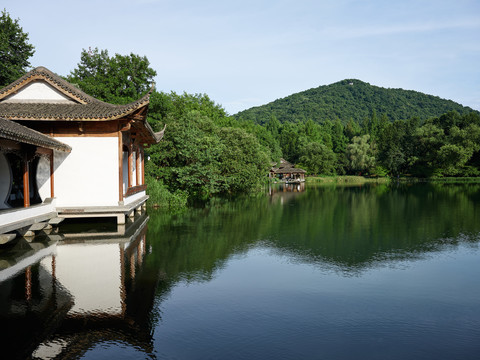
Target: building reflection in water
284, 192
62, 295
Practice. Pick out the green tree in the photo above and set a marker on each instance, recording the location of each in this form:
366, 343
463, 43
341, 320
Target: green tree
267, 140
360, 155
391, 153
452, 158
459, 149
339, 140
201, 157
243, 163
352, 129
187, 157
326, 130
429, 139
397, 146
290, 142
15, 51
316, 158
273, 126
119, 79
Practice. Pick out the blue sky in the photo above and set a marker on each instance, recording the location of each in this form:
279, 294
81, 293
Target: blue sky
250, 52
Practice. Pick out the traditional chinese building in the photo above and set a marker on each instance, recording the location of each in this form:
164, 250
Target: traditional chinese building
287, 172
60, 146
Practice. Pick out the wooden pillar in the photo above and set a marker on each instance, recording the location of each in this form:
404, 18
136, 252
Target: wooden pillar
137, 166
54, 267
26, 182
143, 165
52, 185
139, 253
132, 265
28, 283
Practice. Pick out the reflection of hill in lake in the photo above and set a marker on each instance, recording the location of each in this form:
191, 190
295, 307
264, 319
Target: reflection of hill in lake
348, 227
351, 227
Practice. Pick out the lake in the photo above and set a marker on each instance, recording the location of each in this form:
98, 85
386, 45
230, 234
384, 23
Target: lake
305, 272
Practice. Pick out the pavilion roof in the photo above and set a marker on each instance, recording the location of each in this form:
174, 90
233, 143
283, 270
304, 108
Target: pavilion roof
286, 167
82, 107
78, 105
11, 130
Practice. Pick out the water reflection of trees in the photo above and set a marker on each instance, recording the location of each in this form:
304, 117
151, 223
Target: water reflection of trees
348, 227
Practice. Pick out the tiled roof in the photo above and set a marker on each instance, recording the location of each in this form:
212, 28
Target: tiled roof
86, 107
12, 131
286, 168
53, 79
70, 112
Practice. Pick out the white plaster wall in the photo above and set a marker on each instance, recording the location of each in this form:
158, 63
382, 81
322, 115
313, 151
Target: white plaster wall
39, 91
92, 274
5, 181
43, 178
88, 176
140, 167
134, 169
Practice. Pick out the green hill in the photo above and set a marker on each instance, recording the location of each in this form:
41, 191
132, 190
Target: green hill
352, 99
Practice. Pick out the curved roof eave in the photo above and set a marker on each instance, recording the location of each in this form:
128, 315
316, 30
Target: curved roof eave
13, 131
87, 107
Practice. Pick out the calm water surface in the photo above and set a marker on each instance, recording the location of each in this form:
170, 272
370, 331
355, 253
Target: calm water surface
371, 272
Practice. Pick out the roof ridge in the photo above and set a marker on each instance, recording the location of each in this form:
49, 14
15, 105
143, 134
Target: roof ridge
107, 110
53, 79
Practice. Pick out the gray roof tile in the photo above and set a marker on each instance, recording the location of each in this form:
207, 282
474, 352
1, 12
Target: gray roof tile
13, 131
86, 108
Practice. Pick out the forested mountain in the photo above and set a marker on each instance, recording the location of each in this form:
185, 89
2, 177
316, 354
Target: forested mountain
352, 99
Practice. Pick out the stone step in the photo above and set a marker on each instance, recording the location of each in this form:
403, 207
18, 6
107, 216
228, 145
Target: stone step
6, 238
55, 220
37, 226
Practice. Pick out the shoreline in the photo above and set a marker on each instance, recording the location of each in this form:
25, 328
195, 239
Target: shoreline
353, 179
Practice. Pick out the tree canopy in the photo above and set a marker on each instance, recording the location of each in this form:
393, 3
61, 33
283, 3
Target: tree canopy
119, 79
201, 153
15, 51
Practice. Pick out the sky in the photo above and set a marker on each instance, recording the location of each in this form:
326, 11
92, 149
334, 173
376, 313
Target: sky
251, 52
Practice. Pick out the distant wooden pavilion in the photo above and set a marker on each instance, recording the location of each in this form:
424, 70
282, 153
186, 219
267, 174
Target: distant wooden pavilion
287, 172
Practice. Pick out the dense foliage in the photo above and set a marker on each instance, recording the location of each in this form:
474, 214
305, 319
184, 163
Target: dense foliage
448, 145
202, 152
14, 50
352, 99
119, 79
